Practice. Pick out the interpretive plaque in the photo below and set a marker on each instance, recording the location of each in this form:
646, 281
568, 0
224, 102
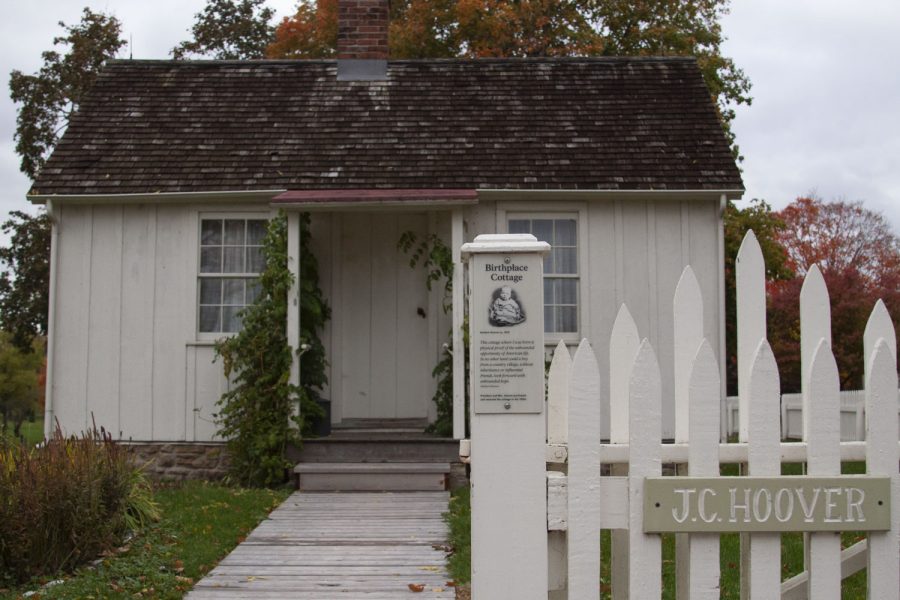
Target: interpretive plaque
759, 504
506, 318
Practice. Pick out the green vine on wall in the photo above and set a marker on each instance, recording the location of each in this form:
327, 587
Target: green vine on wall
257, 416
437, 259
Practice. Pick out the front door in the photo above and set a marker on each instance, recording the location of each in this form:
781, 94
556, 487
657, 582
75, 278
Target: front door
386, 362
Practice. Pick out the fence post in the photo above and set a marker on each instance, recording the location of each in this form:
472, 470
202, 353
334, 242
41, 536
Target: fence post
508, 478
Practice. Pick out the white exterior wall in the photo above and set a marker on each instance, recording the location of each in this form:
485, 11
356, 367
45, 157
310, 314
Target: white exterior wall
125, 347
635, 252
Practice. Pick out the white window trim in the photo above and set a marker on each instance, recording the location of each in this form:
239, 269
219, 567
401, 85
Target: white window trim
558, 210
212, 336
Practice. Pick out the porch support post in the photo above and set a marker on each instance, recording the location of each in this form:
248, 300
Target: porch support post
293, 308
459, 378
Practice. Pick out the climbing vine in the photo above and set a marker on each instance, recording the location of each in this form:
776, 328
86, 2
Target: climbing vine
437, 259
257, 416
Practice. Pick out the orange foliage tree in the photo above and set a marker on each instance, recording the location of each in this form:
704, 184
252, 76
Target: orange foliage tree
859, 257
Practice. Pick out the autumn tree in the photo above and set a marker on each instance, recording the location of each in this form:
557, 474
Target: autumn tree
47, 99
534, 28
859, 257
767, 227
25, 277
229, 30
311, 33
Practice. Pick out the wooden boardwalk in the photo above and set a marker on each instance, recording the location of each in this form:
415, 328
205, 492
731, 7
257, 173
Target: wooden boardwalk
339, 545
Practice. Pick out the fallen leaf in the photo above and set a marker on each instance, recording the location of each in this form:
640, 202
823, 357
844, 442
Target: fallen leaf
437, 590
435, 569
416, 587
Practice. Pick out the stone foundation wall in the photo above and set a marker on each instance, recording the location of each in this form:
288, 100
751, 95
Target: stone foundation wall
181, 460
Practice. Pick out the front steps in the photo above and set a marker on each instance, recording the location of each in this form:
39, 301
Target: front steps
378, 455
373, 477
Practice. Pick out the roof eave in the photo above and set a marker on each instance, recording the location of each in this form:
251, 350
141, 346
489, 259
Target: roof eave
210, 197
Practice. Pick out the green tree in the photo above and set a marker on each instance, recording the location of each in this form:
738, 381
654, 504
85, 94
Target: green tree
229, 30
19, 383
256, 415
25, 277
498, 28
767, 227
48, 98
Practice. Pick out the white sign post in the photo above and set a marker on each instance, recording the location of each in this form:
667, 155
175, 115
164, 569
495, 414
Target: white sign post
509, 499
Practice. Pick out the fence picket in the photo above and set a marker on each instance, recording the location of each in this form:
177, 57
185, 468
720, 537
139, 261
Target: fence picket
584, 476
823, 436
704, 389
558, 395
624, 343
879, 326
882, 455
764, 460
558, 433
815, 325
687, 311
750, 293
644, 437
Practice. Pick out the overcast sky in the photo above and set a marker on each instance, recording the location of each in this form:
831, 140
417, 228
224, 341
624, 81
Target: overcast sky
825, 74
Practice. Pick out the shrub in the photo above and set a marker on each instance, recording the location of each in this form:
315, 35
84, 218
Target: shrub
257, 415
67, 502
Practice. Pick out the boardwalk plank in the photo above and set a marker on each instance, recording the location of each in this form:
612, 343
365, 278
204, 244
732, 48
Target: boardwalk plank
333, 545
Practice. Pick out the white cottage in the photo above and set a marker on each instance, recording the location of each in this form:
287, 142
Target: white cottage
161, 185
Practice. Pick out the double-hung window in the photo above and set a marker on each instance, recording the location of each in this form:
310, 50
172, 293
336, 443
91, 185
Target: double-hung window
561, 276
231, 260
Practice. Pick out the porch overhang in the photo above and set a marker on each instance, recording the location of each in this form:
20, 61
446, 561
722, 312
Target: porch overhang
350, 199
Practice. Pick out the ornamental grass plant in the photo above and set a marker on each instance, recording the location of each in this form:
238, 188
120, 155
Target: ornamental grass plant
67, 501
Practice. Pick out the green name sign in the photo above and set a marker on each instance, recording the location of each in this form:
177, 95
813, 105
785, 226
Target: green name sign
757, 504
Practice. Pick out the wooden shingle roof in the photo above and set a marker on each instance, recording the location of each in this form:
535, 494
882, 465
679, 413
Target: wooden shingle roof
586, 124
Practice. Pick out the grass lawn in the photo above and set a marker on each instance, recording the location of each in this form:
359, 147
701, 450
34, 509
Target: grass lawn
853, 588
31, 432
201, 523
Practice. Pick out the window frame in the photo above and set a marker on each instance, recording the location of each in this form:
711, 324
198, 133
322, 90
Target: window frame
558, 210
199, 275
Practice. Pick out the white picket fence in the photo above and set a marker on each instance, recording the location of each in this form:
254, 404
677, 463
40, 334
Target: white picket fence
853, 415
581, 501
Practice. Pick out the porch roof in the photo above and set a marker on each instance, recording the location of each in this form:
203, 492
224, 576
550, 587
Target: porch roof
375, 197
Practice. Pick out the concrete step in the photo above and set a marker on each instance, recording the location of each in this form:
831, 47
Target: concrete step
372, 477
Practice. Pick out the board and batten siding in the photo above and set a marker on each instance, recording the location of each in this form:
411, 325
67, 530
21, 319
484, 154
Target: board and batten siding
126, 352
635, 251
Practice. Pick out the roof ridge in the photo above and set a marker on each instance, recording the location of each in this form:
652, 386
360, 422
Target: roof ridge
459, 60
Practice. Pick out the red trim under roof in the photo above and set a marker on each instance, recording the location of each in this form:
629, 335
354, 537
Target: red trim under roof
312, 197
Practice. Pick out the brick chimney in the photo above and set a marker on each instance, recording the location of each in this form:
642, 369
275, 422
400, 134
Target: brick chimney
363, 29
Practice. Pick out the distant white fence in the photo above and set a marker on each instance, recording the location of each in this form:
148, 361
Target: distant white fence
581, 502
853, 416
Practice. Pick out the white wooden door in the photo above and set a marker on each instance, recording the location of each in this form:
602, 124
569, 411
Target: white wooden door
384, 309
